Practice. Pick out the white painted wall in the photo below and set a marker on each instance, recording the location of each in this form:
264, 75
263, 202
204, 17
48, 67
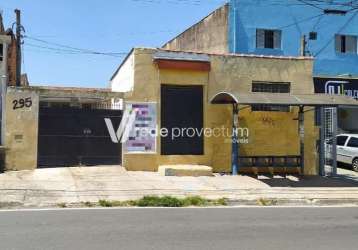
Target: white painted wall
123, 81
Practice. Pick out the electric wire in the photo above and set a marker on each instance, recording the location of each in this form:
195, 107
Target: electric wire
338, 32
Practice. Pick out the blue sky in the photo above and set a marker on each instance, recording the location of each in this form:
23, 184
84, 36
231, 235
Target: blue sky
99, 25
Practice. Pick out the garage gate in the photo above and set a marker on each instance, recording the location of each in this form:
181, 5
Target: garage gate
77, 136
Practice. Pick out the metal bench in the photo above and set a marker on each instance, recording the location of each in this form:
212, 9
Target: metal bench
273, 162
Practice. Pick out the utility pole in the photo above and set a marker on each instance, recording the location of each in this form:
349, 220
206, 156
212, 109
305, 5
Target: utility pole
18, 47
303, 45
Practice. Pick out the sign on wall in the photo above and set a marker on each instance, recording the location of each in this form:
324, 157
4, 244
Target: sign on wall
142, 137
335, 86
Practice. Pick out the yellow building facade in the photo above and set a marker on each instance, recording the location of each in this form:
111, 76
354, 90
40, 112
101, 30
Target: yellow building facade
145, 71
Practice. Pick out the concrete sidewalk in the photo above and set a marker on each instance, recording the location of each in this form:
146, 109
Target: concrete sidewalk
51, 187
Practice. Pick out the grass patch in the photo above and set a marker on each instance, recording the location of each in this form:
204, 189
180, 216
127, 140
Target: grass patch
106, 203
221, 202
62, 205
88, 204
196, 201
266, 202
5, 205
156, 201
165, 201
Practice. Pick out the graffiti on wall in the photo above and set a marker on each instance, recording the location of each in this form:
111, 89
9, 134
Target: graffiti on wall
268, 121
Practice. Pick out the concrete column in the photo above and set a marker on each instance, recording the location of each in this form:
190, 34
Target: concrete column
301, 126
3, 88
235, 141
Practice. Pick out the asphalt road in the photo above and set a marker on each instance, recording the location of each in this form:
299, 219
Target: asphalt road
222, 228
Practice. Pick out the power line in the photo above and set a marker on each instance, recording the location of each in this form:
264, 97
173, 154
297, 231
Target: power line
54, 49
310, 4
61, 48
66, 48
43, 49
74, 50
301, 21
339, 31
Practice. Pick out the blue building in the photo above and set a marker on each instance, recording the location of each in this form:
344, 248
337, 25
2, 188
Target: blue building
276, 27
326, 30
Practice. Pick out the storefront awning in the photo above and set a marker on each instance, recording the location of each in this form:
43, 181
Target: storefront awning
182, 60
282, 99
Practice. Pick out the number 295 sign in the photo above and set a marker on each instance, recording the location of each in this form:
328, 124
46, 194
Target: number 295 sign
22, 103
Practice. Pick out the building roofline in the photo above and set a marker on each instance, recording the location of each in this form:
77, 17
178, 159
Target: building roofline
69, 93
211, 54
123, 62
171, 40
66, 89
241, 55
349, 77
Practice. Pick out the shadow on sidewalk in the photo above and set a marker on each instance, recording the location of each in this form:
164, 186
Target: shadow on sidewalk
341, 180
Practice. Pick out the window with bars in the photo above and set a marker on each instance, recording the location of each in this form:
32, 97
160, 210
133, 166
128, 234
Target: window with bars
313, 35
270, 87
346, 44
1, 52
268, 39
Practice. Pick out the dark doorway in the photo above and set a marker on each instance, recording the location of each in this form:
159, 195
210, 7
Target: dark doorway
182, 115
74, 136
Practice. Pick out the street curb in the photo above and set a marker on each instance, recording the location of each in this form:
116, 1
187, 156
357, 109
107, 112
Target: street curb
261, 202
273, 202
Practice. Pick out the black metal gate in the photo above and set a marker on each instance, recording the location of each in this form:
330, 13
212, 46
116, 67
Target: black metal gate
74, 136
330, 140
182, 108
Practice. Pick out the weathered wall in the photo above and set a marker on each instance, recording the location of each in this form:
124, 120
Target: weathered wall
6, 42
147, 80
11, 62
21, 129
271, 133
10, 57
209, 35
21, 121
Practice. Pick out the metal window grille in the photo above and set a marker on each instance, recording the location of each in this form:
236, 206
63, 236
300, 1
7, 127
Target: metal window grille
269, 87
313, 35
269, 39
98, 105
346, 44
328, 123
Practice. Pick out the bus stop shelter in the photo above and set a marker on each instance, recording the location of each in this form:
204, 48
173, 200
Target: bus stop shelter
320, 102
